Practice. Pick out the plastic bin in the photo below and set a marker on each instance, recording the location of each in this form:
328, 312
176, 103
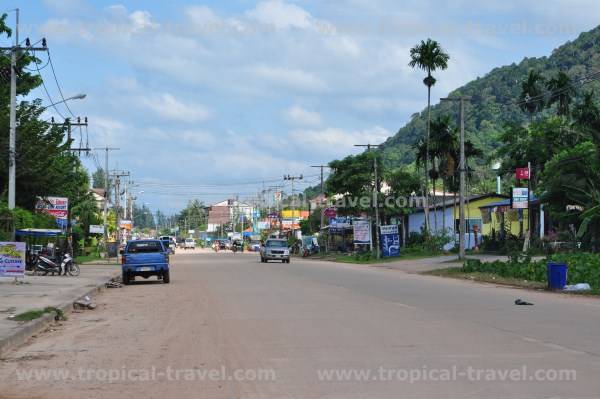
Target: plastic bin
557, 275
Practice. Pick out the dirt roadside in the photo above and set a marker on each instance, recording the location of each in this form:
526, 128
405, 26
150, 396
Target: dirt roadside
158, 338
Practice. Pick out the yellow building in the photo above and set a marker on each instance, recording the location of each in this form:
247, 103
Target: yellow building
485, 211
498, 216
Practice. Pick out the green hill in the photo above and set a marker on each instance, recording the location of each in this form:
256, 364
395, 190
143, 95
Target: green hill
495, 96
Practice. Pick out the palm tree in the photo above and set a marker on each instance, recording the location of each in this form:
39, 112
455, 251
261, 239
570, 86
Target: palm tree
428, 56
531, 99
445, 142
561, 92
438, 150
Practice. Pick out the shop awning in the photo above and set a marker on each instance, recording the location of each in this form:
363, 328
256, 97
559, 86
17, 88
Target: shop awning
38, 232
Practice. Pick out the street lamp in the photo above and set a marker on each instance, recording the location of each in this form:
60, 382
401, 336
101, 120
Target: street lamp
496, 166
12, 152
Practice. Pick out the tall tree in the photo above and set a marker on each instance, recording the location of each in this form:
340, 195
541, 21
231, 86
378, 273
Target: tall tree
45, 167
428, 56
562, 93
531, 99
446, 145
99, 181
352, 178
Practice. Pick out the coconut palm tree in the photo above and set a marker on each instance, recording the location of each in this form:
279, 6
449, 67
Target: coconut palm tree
428, 56
531, 99
561, 92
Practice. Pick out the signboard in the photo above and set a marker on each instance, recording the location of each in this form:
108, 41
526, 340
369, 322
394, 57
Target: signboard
263, 225
127, 224
338, 224
57, 207
362, 232
96, 229
12, 259
330, 212
522, 174
191, 231
520, 197
277, 196
296, 214
390, 240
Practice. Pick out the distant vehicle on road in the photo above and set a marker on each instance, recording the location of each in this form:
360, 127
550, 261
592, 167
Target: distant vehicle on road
189, 243
275, 249
170, 243
145, 258
237, 245
255, 246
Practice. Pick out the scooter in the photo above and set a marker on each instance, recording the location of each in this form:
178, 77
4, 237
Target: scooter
45, 265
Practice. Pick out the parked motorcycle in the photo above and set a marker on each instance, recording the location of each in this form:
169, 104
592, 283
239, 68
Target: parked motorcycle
45, 265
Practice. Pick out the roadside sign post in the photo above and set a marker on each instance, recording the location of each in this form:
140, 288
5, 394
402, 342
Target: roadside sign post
390, 240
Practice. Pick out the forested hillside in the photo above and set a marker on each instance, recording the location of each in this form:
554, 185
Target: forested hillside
495, 97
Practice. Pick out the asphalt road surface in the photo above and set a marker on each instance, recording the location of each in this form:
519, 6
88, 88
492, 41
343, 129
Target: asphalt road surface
229, 326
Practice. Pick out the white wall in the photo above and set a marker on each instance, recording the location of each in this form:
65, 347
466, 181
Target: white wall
416, 221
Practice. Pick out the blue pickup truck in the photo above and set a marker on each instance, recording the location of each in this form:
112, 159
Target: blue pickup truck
145, 258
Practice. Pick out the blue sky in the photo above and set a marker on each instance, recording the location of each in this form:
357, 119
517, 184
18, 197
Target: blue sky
205, 98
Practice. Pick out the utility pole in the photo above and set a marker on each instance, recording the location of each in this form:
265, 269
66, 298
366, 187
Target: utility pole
106, 179
322, 192
375, 194
12, 140
117, 187
292, 179
69, 125
462, 169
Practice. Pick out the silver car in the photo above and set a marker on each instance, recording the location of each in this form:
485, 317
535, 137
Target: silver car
275, 249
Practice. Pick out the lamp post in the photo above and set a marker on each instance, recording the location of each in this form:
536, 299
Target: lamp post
496, 167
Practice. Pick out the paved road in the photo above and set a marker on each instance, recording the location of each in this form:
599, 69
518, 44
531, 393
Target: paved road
314, 330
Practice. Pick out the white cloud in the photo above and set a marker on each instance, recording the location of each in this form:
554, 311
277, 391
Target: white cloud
289, 78
338, 142
201, 15
281, 15
169, 107
299, 116
141, 20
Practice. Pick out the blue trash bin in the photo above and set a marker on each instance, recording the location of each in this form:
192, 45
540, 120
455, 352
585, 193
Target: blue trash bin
557, 275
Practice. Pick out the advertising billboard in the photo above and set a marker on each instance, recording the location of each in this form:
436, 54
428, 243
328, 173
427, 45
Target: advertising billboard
96, 229
57, 207
520, 197
126, 224
12, 259
362, 231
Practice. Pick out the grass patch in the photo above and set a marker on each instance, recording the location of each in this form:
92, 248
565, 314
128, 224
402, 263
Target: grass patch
37, 313
486, 277
361, 259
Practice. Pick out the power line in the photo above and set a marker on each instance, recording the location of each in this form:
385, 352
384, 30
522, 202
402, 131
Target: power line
210, 185
58, 85
52, 102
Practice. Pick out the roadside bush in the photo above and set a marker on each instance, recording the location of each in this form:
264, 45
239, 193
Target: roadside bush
584, 267
419, 244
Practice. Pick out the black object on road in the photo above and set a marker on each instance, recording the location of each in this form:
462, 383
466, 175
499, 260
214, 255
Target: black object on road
522, 302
